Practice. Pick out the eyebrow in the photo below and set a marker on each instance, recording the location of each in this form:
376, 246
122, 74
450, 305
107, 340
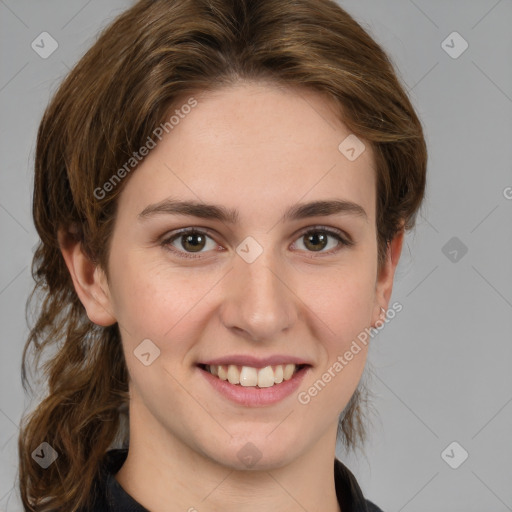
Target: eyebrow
231, 216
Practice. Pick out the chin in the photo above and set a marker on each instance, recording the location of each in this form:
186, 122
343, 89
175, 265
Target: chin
256, 452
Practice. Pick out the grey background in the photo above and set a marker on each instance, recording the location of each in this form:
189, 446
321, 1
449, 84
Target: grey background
441, 368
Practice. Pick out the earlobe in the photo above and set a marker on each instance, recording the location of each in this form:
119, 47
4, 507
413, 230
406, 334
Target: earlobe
89, 281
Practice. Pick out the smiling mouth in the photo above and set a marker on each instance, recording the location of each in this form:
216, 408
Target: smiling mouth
248, 376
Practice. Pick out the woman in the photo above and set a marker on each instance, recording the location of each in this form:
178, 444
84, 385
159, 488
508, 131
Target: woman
221, 190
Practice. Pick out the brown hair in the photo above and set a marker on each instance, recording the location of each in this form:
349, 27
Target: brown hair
105, 109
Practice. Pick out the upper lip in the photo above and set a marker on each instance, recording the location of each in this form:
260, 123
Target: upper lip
255, 362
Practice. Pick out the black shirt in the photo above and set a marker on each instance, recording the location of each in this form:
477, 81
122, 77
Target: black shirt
109, 496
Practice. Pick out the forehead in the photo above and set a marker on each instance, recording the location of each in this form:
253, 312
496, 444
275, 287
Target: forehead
254, 147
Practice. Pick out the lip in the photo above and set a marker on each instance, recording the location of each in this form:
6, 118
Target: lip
256, 362
254, 396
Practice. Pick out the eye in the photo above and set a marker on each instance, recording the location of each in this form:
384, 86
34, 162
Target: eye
317, 239
190, 242
187, 242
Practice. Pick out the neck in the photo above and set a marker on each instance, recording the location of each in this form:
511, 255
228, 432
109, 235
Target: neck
171, 476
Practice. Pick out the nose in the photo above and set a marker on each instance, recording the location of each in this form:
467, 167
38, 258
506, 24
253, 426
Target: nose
258, 300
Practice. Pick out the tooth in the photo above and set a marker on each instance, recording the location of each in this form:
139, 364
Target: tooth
222, 374
233, 374
278, 374
248, 376
266, 377
288, 371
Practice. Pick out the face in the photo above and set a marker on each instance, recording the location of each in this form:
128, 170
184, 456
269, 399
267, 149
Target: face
268, 284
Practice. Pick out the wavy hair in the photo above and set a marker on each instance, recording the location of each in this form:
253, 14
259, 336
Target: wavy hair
149, 57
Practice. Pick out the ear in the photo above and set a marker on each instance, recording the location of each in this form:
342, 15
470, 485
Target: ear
89, 280
384, 285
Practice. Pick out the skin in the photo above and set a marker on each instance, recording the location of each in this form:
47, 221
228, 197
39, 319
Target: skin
259, 149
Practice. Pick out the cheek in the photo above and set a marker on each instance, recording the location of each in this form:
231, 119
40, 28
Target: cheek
341, 297
151, 299
342, 303
344, 310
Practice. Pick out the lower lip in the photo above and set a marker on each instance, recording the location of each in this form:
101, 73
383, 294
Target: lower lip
254, 396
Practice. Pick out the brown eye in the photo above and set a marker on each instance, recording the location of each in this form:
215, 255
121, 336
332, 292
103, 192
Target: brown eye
193, 242
316, 240
189, 243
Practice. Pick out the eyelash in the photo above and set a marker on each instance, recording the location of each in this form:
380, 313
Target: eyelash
166, 243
